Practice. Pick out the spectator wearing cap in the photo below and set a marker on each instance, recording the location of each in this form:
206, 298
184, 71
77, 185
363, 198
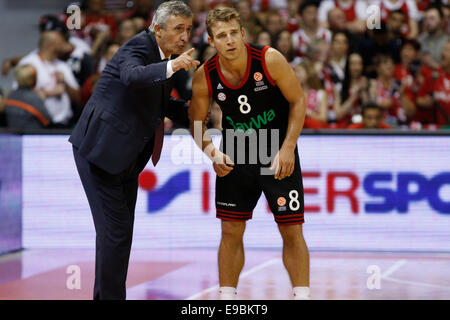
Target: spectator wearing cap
310, 28
371, 118
24, 108
75, 51
434, 38
55, 79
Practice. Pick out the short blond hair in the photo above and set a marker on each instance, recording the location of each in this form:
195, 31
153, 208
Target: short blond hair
25, 76
224, 14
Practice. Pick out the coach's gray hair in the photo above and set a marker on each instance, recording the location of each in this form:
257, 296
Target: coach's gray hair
167, 9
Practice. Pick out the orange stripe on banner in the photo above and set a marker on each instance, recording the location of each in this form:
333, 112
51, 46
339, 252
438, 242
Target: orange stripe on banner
29, 108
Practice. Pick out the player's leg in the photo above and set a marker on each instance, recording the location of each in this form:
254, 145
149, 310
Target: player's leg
236, 196
230, 257
296, 258
286, 200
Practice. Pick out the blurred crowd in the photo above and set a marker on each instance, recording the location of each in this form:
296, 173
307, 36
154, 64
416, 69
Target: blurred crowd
362, 63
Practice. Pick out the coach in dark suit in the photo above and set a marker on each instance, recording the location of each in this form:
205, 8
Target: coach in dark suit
121, 127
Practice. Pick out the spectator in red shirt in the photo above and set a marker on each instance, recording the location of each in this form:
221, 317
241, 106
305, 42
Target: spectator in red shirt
315, 95
405, 73
435, 90
385, 91
91, 82
98, 26
371, 118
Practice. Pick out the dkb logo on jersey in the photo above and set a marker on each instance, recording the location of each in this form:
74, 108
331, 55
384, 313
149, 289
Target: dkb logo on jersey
159, 198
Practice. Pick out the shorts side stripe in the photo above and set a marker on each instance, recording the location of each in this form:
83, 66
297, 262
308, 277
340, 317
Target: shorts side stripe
234, 216
235, 212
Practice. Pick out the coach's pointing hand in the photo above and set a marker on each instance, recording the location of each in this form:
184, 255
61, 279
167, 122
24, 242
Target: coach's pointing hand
185, 61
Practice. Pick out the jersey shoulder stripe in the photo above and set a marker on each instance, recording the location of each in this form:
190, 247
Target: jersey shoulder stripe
208, 67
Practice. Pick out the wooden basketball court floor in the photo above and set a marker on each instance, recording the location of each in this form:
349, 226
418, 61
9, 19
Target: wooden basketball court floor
192, 274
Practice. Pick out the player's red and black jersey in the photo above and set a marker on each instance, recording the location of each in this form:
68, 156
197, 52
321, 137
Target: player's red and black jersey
255, 104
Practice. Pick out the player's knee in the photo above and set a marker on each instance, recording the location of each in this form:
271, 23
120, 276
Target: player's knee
233, 229
291, 234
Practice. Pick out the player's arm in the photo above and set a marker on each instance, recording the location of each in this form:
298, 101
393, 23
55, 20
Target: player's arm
198, 112
283, 75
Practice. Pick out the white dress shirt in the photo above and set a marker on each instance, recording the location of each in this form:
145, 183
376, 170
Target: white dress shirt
169, 71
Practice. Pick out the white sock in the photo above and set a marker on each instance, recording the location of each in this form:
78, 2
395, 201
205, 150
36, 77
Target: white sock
227, 293
301, 293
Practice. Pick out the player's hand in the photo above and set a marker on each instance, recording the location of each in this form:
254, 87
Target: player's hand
222, 164
283, 163
185, 61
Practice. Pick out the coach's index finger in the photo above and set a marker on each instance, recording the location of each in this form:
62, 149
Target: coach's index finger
190, 51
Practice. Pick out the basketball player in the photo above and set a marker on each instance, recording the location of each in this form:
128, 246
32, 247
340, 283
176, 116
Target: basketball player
257, 92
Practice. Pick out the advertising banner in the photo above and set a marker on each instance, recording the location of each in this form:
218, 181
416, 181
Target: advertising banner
383, 193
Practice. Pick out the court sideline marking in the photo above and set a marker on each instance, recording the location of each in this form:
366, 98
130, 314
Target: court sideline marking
398, 265
242, 276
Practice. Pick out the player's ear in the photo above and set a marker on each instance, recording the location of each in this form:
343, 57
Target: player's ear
243, 32
210, 41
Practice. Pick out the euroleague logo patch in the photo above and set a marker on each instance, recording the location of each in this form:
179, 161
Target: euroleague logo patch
281, 201
221, 96
257, 76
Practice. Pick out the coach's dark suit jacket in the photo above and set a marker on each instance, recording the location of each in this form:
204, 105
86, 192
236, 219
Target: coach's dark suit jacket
129, 102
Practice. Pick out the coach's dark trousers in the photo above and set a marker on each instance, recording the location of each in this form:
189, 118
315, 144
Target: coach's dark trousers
112, 199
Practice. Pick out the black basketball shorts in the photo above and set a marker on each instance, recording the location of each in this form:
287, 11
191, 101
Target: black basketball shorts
238, 192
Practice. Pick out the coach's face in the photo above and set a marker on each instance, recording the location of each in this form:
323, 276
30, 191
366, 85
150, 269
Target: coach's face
173, 38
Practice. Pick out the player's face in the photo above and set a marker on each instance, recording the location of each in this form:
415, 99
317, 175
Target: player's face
175, 35
228, 39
